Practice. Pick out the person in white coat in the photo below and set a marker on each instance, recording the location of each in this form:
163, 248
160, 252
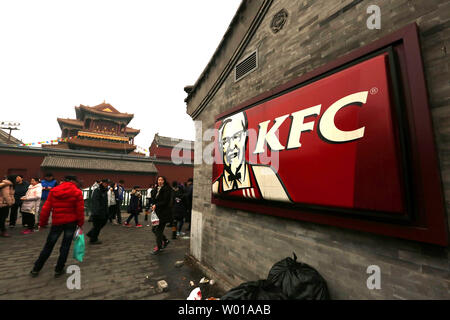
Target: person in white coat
112, 203
30, 205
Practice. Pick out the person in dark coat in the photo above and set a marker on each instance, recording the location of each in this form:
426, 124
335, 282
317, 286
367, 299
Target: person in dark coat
162, 196
135, 207
99, 212
120, 191
179, 206
20, 190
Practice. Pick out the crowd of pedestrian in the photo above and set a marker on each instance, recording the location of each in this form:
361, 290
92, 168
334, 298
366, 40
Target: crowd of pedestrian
40, 201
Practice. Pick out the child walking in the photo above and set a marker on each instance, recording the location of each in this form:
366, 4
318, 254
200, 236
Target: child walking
134, 207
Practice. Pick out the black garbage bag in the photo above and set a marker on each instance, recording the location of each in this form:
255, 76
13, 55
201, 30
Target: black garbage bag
298, 281
255, 290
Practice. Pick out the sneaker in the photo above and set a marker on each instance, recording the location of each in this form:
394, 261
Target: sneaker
126, 224
27, 231
139, 226
12, 226
59, 273
156, 250
165, 244
34, 273
5, 235
95, 242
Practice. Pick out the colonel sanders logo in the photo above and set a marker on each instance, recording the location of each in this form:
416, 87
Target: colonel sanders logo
239, 177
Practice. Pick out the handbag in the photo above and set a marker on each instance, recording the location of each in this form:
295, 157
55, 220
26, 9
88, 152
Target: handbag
79, 245
154, 218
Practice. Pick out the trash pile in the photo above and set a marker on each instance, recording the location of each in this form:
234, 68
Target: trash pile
287, 280
204, 286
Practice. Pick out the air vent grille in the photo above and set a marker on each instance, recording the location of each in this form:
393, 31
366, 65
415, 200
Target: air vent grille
246, 66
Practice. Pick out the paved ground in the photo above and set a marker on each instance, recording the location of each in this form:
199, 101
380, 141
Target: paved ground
120, 268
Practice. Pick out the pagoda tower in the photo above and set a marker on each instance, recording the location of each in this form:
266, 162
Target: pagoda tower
101, 128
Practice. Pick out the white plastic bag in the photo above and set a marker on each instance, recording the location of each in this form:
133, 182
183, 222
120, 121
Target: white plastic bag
196, 294
154, 218
77, 233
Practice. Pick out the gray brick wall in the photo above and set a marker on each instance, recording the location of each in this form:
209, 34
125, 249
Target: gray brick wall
242, 246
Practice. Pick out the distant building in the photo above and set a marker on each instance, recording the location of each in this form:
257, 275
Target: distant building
172, 148
174, 158
6, 138
101, 128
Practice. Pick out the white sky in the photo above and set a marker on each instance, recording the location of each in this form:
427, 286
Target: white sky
136, 55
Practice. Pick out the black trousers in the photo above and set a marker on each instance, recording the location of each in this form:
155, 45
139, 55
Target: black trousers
112, 212
55, 231
13, 213
3, 215
135, 216
159, 232
28, 219
97, 224
118, 212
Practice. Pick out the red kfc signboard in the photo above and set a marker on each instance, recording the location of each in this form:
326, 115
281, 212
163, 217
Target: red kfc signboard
333, 148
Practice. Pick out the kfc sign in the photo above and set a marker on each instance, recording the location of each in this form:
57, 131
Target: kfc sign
332, 140
349, 144
327, 127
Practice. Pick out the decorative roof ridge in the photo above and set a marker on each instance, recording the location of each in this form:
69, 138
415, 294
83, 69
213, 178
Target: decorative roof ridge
172, 139
171, 142
115, 115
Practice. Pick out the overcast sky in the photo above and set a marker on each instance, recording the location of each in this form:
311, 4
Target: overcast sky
136, 55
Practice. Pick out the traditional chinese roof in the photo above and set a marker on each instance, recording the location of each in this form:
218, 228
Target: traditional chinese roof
101, 144
162, 141
70, 122
79, 163
131, 131
103, 109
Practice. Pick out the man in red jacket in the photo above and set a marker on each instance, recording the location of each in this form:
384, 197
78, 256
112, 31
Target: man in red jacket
67, 206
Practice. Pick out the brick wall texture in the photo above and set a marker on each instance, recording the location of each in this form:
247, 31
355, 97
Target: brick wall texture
242, 246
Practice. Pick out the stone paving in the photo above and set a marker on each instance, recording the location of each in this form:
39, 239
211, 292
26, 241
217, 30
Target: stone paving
120, 268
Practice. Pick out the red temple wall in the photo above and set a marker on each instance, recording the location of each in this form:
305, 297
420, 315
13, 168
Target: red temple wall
178, 173
166, 152
29, 166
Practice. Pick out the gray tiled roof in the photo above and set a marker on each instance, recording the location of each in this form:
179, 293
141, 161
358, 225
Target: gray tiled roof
172, 142
98, 164
4, 138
